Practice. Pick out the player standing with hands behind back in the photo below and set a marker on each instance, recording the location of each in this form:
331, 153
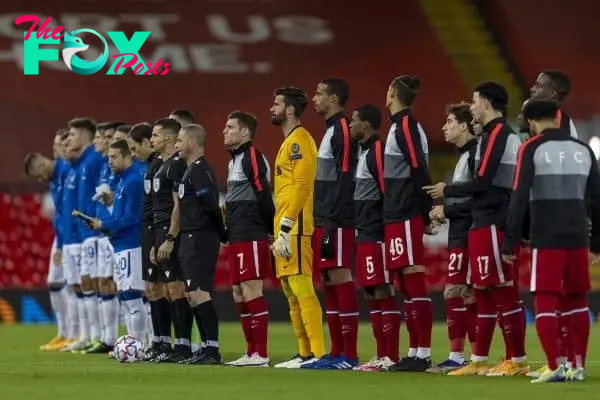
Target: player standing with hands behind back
406, 216
295, 169
333, 240
555, 176
202, 230
249, 215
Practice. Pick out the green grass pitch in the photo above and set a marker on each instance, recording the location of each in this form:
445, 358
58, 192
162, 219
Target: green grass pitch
27, 373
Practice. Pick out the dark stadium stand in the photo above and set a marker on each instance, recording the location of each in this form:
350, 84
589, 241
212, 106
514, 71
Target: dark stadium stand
553, 34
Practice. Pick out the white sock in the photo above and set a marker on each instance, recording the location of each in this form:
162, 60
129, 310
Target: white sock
149, 328
72, 313
58, 302
91, 306
423, 352
137, 319
110, 316
101, 317
457, 357
84, 327
412, 352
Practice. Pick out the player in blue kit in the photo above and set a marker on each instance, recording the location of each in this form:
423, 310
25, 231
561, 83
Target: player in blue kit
108, 302
55, 170
124, 230
88, 168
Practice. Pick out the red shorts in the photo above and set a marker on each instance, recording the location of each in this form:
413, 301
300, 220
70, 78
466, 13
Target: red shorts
249, 260
370, 264
343, 249
404, 243
560, 270
458, 267
487, 268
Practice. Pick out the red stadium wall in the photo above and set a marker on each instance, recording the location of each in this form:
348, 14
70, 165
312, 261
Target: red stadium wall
225, 56
553, 34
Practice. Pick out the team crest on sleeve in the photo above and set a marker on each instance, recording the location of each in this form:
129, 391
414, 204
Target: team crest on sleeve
296, 155
156, 185
181, 190
147, 186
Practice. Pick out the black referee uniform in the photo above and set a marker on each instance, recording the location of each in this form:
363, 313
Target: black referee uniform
201, 233
165, 182
150, 273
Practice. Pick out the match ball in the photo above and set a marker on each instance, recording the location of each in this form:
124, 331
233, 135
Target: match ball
128, 349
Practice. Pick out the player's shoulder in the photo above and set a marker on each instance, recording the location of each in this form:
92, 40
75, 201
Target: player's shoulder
299, 142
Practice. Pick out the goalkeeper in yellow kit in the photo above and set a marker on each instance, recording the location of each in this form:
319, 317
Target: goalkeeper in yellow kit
295, 170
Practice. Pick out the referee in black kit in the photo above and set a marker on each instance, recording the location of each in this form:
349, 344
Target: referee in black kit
201, 232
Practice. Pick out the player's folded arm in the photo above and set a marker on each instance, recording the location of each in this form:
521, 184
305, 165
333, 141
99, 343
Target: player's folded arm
458, 209
127, 216
487, 168
519, 200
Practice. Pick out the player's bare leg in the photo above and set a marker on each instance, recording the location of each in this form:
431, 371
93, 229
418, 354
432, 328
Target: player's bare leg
249, 298
386, 327
206, 318
415, 289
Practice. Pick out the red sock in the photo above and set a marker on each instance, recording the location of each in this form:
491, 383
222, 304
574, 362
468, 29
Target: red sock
471, 322
579, 328
376, 324
456, 315
546, 324
348, 307
486, 321
390, 316
260, 325
246, 320
413, 338
507, 349
507, 301
421, 306
333, 321
564, 340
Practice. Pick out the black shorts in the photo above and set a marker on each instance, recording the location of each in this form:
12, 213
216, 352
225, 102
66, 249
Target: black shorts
169, 270
198, 254
149, 272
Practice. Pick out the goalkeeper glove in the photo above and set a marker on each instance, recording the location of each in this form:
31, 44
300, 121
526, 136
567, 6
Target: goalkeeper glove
282, 246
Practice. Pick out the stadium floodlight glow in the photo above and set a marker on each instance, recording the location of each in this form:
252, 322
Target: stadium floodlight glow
595, 145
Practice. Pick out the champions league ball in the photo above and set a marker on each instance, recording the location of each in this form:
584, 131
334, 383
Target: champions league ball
128, 349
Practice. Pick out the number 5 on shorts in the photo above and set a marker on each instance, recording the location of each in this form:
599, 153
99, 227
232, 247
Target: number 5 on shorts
370, 265
396, 248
